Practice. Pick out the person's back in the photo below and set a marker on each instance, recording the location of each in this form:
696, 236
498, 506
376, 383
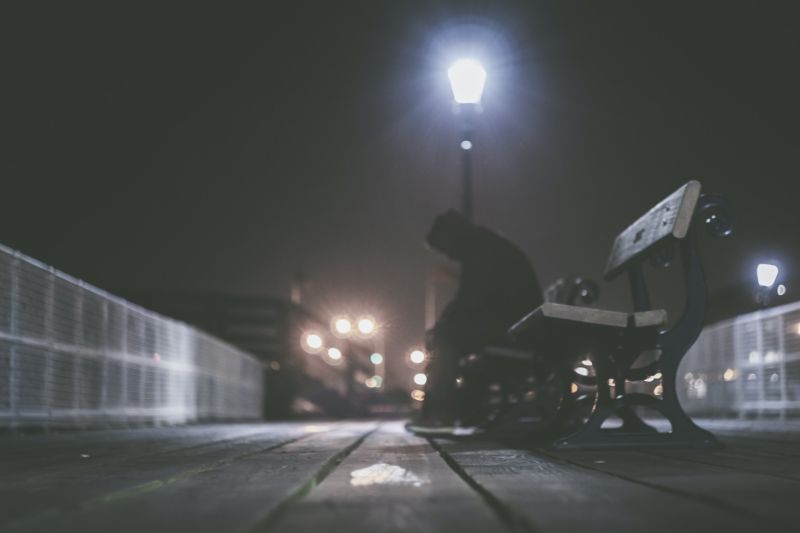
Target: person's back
497, 287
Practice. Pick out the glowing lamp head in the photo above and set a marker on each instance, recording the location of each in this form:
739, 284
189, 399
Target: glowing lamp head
342, 326
312, 342
467, 78
767, 274
417, 356
335, 354
366, 325
420, 379
376, 358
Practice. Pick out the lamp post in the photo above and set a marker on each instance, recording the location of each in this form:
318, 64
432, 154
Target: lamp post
467, 79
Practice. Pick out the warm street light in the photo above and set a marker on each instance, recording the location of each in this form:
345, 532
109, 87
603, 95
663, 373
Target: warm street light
312, 342
366, 325
342, 326
467, 79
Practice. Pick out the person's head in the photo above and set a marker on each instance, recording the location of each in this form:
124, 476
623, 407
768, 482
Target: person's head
449, 234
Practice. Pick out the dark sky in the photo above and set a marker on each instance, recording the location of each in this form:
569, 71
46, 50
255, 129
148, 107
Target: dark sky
221, 147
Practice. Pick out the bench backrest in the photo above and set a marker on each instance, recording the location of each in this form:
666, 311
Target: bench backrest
669, 219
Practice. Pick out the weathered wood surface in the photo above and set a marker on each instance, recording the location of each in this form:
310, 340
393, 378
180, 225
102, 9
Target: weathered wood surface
393, 482
363, 476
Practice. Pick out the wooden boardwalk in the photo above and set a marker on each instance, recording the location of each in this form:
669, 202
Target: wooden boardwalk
370, 476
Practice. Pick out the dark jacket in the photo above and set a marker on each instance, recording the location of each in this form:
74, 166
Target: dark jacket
497, 286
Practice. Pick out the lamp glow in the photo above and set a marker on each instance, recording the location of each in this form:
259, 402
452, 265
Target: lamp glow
417, 356
335, 353
342, 326
467, 78
312, 342
376, 358
366, 325
420, 379
767, 274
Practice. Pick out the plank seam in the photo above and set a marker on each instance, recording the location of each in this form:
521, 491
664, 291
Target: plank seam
507, 515
38, 518
724, 467
97, 464
277, 512
708, 500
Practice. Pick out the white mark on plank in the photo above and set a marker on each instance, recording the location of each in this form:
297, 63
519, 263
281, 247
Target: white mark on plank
384, 474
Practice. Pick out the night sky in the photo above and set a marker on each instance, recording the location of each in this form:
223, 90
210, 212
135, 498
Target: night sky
221, 147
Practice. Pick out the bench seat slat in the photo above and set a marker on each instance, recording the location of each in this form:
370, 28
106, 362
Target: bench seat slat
590, 315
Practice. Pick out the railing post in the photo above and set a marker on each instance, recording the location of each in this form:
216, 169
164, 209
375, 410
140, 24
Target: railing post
49, 318
12, 350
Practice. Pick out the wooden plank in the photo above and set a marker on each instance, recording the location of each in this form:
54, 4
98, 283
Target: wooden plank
742, 459
24, 458
553, 495
239, 495
671, 217
393, 482
768, 498
64, 492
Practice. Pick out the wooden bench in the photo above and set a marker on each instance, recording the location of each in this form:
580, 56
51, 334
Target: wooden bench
509, 385
599, 348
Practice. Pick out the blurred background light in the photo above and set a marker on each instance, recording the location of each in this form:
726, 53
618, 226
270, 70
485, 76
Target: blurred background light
417, 356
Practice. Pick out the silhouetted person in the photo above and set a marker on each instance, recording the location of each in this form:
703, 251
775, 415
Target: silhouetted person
497, 287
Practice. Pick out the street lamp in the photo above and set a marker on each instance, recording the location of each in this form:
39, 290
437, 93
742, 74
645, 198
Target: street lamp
366, 326
342, 326
467, 79
417, 356
767, 275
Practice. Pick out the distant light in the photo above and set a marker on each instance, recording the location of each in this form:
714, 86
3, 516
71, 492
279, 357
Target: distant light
420, 379
374, 382
611, 382
376, 358
766, 274
729, 374
781, 289
574, 388
657, 375
467, 78
366, 325
581, 371
658, 390
334, 353
586, 362
417, 356
418, 395
342, 326
312, 342
466, 145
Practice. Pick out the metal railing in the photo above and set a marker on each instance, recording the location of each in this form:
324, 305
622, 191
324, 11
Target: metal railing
747, 366
74, 355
